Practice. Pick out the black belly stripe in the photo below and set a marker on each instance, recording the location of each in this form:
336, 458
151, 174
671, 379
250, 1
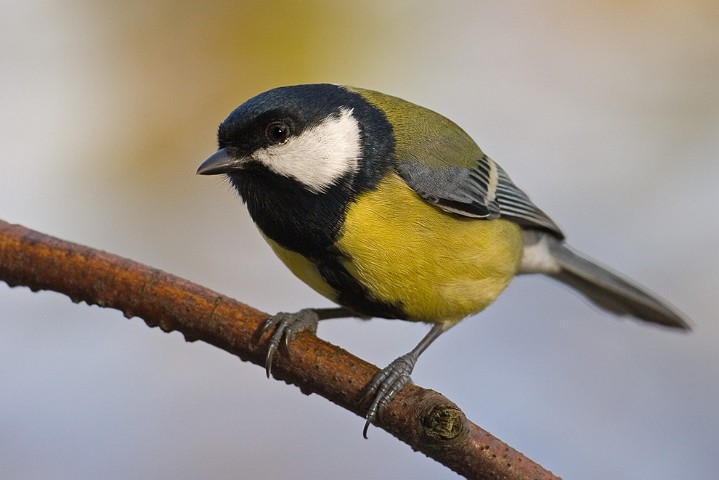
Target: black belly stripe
351, 293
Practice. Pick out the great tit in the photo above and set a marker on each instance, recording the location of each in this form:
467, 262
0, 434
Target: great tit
391, 210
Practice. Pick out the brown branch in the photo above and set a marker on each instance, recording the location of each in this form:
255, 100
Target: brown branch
422, 418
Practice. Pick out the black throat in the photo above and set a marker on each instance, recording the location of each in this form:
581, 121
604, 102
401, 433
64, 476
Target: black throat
297, 219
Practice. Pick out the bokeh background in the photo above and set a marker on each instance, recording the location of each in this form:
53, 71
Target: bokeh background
606, 112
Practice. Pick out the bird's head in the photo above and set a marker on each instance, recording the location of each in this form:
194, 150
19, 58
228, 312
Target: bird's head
315, 135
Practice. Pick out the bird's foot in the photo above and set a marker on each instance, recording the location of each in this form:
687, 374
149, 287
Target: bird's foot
386, 384
286, 326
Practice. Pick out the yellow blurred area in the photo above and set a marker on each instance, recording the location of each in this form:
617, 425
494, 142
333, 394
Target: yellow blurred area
172, 66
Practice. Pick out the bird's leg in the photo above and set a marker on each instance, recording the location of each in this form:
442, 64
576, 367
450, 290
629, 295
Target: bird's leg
394, 376
287, 325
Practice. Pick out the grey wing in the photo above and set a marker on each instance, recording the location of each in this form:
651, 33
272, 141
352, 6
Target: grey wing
485, 191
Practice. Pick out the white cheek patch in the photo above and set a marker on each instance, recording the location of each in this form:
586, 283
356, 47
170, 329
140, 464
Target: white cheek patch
320, 155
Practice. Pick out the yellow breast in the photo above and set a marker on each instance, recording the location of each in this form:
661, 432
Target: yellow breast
439, 266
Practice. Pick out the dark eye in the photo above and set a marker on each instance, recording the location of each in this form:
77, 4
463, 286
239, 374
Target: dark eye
277, 132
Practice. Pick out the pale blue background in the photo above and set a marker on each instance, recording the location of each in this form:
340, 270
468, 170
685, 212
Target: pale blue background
607, 113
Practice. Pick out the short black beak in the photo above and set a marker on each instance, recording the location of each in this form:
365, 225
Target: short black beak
219, 162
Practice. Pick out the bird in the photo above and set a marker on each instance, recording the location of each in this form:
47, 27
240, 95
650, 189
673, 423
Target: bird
392, 210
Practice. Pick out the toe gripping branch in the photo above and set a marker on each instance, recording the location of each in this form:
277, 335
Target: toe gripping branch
390, 380
286, 326
385, 385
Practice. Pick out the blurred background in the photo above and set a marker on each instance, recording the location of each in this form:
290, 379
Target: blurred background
605, 112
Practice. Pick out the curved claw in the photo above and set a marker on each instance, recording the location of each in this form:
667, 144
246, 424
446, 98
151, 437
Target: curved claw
286, 326
385, 385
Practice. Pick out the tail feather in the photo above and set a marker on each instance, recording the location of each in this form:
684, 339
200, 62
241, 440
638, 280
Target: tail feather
610, 290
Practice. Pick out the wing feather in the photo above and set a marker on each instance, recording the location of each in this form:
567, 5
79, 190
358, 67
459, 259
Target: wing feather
485, 191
